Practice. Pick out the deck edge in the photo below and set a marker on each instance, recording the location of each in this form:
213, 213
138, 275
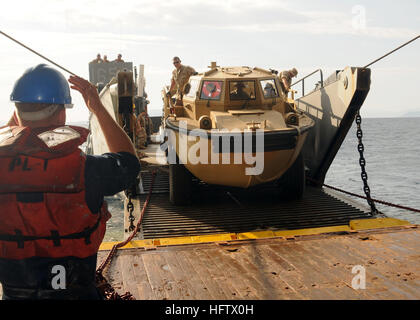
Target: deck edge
353, 226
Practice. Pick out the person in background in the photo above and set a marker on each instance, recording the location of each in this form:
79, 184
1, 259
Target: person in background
119, 58
148, 123
286, 78
106, 58
269, 91
141, 134
180, 77
52, 209
98, 59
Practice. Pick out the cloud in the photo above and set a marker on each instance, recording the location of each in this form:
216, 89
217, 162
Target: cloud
228, 31
286, 20
112, 37
161, 18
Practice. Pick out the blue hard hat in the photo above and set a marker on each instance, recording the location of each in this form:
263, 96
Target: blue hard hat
41, 84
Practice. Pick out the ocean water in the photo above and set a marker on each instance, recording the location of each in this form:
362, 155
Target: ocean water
392, 153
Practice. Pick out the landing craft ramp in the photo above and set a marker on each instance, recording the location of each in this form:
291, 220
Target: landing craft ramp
219, 210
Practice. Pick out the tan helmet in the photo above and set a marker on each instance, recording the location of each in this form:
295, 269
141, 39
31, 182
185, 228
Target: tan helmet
294, 72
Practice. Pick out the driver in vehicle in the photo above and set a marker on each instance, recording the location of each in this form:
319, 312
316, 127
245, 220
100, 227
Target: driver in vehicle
239, 93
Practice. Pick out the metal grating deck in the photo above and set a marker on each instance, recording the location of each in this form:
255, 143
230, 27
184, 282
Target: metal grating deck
217, 209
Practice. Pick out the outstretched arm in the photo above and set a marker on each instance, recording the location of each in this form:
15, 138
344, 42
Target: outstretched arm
116, 138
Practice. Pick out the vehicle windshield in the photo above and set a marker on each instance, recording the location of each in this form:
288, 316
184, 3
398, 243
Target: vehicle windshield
194, 83
269, 88
211, 90
242, 90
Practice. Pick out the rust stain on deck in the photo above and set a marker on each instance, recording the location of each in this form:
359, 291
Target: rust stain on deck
307, 267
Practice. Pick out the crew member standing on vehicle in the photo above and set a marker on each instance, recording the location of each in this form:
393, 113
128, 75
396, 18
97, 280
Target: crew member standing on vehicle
286, 78
52, 209
180, 77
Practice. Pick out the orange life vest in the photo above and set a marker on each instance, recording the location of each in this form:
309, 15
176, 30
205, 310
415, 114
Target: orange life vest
46, 162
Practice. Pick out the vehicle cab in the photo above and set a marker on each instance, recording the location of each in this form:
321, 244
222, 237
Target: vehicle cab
229, 91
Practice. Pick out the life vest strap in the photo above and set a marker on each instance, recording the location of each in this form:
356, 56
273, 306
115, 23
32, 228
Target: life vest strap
54, 237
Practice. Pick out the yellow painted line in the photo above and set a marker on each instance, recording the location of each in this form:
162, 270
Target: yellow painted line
377, 223
354, 225
132, 244
291, 233
256, 235
196, 239
309, 231
171, 241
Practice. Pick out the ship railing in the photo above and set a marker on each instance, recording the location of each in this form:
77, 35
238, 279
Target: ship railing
308, 75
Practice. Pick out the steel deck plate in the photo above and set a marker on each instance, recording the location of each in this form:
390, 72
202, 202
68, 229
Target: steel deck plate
216, 209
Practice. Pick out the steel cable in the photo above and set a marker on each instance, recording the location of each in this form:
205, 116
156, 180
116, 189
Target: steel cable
363, 197
38, 54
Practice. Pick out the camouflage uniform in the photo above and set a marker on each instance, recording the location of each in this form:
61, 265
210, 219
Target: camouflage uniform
140, 133
181, 78
148, 126
288, 76
97, 60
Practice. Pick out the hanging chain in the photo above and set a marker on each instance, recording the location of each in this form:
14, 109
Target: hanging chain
130, 209
104, 287
362, 162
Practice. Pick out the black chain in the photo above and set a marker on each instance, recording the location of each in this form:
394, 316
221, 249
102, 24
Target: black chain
362, 162
130, 209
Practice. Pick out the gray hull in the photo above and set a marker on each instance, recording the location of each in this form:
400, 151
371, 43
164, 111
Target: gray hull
333, 107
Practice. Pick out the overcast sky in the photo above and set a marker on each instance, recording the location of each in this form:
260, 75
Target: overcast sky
265, 33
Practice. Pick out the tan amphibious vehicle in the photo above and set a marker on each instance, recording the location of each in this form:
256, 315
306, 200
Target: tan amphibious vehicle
235, 127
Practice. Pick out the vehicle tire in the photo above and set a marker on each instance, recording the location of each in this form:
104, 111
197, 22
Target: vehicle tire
180, 184
292, 183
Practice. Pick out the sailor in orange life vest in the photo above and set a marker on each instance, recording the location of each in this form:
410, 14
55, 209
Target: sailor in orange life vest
52, 209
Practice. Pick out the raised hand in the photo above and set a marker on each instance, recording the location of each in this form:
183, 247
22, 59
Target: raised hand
88, 91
